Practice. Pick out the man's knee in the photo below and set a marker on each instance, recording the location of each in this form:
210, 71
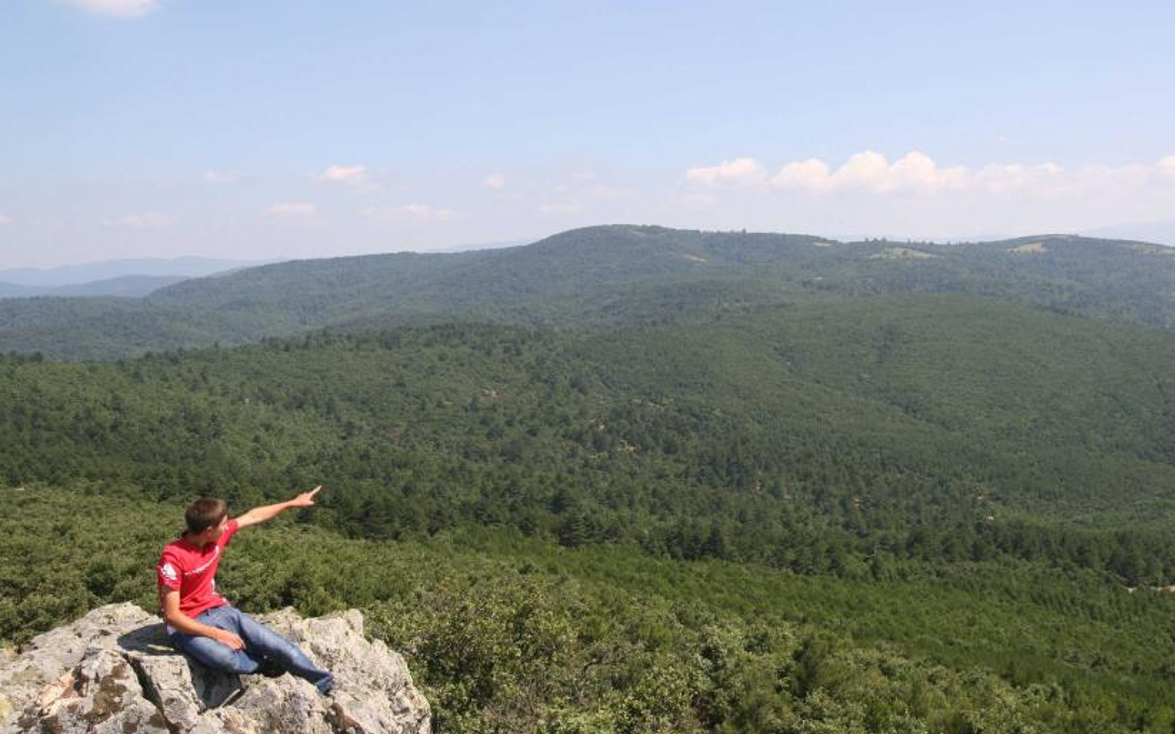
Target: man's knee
234, 661
213, 654
257, 634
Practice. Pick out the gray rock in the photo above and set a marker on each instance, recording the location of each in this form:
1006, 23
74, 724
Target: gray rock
373, 690
100, 694
114, 671
48, 667
285, 704
181, 688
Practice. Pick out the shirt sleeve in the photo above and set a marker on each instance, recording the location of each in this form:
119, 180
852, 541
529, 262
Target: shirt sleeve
229, 531
167, 572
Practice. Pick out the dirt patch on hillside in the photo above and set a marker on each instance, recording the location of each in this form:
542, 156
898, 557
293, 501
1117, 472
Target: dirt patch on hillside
1032, 248
901, 253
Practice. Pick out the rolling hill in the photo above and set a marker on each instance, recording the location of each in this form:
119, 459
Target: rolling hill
596, 278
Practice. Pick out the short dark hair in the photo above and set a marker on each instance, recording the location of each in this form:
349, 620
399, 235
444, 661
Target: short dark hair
205, 513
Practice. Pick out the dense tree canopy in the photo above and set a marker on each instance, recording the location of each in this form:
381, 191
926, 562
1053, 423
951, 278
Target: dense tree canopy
805, 487
511, 634
828, 439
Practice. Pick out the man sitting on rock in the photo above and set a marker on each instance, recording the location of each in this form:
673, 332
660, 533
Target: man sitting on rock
199, 620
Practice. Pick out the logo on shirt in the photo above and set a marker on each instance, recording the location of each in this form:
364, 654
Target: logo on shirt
204, 567
168, 572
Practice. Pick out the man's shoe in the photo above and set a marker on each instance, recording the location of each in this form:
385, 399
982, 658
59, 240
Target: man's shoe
232, 696
270, 669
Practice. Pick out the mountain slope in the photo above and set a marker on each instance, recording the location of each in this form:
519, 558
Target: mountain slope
798, 436
598, 277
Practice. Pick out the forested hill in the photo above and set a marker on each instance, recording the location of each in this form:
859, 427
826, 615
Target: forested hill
815, 437
806, 486
597, 277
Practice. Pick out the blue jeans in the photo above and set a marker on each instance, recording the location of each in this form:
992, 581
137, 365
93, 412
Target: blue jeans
261, 643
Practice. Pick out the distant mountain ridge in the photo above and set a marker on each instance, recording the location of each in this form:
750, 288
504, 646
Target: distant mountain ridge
1162, 232
596, 277
188, 267
126, 286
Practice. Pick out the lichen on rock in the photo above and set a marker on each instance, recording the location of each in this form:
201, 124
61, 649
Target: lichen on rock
113, 671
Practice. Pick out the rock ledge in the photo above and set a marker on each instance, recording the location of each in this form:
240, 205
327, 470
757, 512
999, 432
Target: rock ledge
113, 672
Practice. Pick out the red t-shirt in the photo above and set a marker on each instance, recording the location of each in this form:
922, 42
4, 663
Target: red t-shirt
192, 572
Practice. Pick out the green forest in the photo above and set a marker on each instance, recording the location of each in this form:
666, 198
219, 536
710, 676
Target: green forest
806, 490
597, 278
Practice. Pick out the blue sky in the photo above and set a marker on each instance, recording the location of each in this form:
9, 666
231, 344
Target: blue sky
258, 129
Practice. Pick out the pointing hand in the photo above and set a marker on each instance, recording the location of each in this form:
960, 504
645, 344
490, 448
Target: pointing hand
306, 499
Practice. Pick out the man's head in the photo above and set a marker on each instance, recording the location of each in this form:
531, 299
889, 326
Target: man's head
206, 518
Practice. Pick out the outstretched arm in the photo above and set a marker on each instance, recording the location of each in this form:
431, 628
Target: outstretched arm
268, 512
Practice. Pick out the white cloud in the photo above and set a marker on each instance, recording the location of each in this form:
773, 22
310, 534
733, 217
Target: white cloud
1009, 178
1166, 168
222, 176
736, 172
354, 176
5, 220
870, 171
149, 220
409, 213
917, 173
292, 210
916, 196
1050, 181
867, 170
115, 8
494, 182
811, 175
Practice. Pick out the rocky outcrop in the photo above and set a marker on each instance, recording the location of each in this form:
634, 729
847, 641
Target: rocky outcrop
113, 671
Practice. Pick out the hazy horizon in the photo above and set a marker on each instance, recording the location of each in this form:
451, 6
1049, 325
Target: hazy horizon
34, 275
